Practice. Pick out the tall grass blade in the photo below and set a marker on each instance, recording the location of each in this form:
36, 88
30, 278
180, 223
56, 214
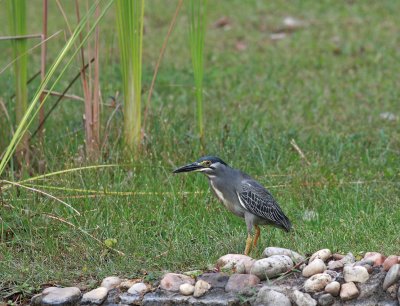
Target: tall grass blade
197, 31
17, 16
130, 17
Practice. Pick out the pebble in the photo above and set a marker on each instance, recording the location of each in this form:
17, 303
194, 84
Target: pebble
61, 296
186, 289
317, 282
314, 267
272, 266
378, 258
326, 299
172, 281
138, 288
268, 297
392, 276
238, 282
349, 291
200, 288
323, 254
236, 262
357, 274
390, 261
111, 282
303, 299
333, 288
296, 257
95, 296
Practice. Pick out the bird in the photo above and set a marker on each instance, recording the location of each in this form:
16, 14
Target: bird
241, 195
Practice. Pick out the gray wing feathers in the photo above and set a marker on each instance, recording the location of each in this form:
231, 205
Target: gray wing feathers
256, 199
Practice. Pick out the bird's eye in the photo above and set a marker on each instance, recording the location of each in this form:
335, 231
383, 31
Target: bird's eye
207, 163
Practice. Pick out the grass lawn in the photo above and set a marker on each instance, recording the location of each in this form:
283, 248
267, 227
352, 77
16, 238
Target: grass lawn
324, 85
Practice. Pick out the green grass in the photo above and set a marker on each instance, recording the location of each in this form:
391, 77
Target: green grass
324, 85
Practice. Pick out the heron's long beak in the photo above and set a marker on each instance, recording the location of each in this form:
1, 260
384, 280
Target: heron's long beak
189, 168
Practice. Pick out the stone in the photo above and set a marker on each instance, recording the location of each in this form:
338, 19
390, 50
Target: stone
235, 262
333, 274
326, 299
392, 290
317, 282
216, 280
333, 288
296, 257
323, 254
335, 265
378, 258
239, 282
372, 287
348, 259
392, 276
357, 274
272, 266
349, 291
95, 296
200, 288
111, 282
139, 289
216, 297
268, 297
314, 267
186, 289
60, 296
130, 299
337, 256
303, 299
390, 261
172, 281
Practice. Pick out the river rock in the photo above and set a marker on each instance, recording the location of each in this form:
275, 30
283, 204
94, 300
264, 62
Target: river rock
323, 254
337, 256
186, 289
238, 282
390, 261
268, 297
172, 281
378, 258
61, 296
95, 296
326, 299
111, 282
392, 276
333, 288
349, 291
139, 289
338, 264
271, 251
317, 282
314, 267
303, 299
237, 262
358, 274
272, 266
200, 288
127, 283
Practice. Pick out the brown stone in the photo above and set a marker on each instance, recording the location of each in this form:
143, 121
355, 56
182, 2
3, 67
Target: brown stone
172, 281
390, 261
378, 258
238, 282
349, 291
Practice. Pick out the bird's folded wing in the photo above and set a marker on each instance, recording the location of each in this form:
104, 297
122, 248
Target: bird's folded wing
257, 200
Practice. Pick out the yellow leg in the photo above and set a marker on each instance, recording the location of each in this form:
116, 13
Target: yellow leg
248, 244
257, 235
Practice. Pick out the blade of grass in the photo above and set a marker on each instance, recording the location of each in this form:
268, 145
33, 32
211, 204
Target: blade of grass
197, 30
130, 18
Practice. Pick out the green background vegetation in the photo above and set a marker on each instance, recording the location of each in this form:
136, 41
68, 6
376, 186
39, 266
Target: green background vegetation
324, 85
